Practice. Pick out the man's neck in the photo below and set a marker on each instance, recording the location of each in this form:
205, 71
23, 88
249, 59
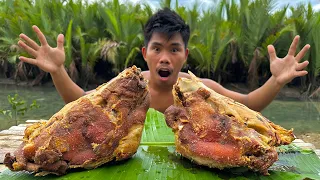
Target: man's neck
161, 97
163, 88
160, 87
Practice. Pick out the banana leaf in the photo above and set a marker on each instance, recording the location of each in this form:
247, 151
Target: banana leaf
156, 159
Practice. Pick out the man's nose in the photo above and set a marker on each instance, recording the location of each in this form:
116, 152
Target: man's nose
164, 58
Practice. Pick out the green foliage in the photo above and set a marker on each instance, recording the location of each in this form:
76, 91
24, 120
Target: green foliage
307, 23
228, 33
18, 107
124, 24
68, 47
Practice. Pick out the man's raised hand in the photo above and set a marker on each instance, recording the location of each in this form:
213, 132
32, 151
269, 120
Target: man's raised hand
47, 58
287, 68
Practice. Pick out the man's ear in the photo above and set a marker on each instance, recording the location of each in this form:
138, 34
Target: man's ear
187, 53
144, 52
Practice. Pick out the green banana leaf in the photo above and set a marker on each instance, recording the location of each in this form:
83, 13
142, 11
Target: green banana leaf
156, 159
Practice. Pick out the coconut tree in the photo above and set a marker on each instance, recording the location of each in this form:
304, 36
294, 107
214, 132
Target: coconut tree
123, 23
209, 38
52, 19
315, 57
83, 41
10, 30
307, 24
28, 13
260, 26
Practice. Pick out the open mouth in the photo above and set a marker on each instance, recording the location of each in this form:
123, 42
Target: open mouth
164, 73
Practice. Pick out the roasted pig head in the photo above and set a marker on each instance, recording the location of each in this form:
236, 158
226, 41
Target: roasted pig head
216, 131
97, 128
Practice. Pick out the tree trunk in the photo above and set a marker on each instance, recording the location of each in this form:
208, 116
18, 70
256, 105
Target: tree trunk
73, 72
4, 68
21, 72
38, 79
315, 94
234, 52
253, 76
86, 75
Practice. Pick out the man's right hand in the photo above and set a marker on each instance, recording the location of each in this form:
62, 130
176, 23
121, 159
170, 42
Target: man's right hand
45, 57
51, 60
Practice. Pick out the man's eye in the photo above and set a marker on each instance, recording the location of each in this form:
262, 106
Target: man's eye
156, 49
174, 50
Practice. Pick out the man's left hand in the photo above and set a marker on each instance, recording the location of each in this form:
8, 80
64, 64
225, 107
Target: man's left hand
287, 68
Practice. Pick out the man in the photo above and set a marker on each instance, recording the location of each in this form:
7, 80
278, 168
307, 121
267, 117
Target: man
165, 51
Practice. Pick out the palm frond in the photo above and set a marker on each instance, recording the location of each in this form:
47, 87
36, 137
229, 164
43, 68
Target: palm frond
68, 47
130, 58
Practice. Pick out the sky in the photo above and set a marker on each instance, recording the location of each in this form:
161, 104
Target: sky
207, 3
315, 3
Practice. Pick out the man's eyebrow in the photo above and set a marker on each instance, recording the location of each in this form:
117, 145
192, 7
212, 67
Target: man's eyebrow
176, 44
160, 44
156, 44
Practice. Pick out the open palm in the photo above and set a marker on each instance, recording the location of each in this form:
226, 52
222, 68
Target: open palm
287, 68
45, 57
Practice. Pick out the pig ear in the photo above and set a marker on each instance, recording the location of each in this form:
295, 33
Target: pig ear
172, 116
194, 77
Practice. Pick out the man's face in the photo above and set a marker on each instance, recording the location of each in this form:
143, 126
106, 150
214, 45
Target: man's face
165, 57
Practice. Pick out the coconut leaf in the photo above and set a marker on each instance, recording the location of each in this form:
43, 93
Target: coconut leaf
68, 47
130, 58
160, 161
316, 50
113, 20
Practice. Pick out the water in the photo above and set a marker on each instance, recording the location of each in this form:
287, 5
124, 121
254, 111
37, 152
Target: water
303, 116
47, 97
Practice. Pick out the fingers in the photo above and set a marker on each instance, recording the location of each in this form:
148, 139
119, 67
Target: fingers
40, 35
293, 46
272, 52
301, 73
29, 50
301, 54
299, 69
60, 41
29, 41
28, 60
302, 65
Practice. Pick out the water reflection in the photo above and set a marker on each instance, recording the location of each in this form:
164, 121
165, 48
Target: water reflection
47, 97
302, 116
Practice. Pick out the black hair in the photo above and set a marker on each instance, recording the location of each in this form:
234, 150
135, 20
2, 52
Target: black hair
168, 22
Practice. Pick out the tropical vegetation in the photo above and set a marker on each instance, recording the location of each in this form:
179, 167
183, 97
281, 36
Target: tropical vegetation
228, 41
18, 107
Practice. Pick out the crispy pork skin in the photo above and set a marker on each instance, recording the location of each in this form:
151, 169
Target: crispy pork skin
216, 131
97, 128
